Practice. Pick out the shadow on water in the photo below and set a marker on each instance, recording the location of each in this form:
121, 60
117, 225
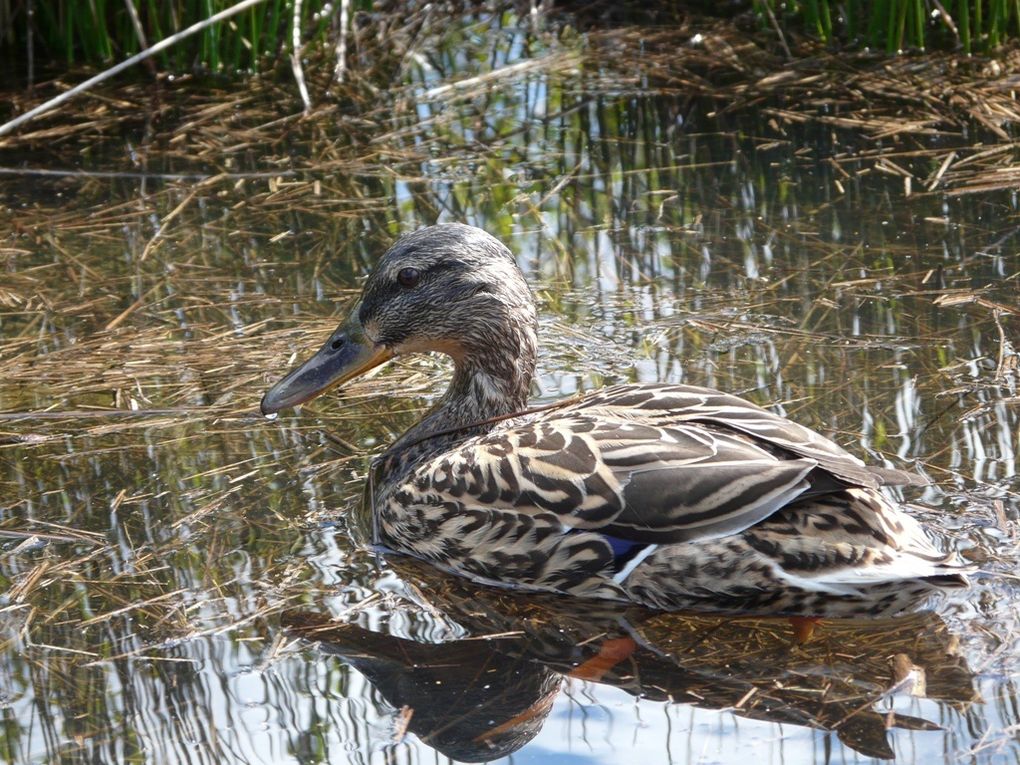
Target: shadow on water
162, 548
487, 690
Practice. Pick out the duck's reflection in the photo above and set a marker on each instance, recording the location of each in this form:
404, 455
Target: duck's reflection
485, 696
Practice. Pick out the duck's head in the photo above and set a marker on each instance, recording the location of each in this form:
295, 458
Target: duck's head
449, 288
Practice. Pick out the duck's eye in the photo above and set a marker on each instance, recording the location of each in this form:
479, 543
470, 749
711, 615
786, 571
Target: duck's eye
408, 277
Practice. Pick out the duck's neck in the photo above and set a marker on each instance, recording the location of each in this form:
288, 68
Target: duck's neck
492, 379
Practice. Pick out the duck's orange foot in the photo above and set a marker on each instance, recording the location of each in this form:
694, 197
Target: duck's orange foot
611, 653
804, 627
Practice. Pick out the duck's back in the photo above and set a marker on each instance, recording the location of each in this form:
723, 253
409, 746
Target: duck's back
674, 404
654, 493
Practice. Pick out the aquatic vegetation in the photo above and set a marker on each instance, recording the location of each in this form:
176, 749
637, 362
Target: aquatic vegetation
267, 33
897, 25
688, 211
101, 33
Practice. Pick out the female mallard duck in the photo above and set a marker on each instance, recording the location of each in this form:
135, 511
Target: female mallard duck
663, 495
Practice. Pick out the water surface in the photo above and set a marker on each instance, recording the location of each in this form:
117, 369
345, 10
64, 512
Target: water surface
168, 556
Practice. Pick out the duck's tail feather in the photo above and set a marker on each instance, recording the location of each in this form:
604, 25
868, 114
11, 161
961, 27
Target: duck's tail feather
855, 552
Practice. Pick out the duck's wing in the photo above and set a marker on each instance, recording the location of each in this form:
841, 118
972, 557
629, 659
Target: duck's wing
631, 481
672, 404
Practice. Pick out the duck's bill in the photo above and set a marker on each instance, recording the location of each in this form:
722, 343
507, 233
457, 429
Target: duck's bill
347, 354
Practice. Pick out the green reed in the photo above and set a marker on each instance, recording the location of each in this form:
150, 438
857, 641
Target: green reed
102, 32
973, 26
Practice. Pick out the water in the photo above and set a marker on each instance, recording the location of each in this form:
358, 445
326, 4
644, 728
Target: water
168, 554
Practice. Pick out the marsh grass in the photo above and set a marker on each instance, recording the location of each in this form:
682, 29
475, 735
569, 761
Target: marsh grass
103, 32
257, 40
894, 26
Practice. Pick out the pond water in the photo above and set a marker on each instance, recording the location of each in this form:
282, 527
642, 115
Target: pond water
182, 582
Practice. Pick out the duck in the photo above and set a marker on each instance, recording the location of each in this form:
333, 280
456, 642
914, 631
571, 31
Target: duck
667, 496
